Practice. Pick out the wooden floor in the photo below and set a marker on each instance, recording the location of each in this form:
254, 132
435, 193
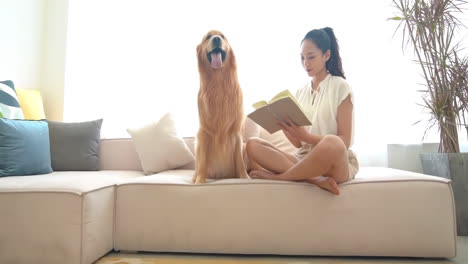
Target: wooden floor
155, 258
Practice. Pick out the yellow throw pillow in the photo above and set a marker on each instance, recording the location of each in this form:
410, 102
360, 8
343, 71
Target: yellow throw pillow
30, 101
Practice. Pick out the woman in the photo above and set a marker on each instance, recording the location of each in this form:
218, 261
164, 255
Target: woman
323, 156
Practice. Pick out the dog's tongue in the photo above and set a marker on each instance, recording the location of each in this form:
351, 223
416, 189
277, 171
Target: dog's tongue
216, 60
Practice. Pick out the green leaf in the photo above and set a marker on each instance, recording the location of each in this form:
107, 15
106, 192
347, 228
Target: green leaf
1, 116
395, 18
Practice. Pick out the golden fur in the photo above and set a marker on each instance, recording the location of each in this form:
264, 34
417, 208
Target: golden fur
220, 109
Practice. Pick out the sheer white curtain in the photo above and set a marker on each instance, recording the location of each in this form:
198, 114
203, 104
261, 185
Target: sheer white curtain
129, 62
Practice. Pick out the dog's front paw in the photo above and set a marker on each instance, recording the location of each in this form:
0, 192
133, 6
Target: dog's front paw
244, 175
199, 180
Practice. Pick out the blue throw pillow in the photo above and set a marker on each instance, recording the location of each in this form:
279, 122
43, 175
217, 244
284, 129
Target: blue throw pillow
9, 104
24, 147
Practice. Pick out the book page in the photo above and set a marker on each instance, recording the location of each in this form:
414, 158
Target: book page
282, 94
257, 105
267, 115
287, 107
265, 119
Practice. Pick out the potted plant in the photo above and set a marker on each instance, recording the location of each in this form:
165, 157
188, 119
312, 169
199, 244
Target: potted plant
430, 27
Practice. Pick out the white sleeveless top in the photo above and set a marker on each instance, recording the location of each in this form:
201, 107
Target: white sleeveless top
322, 107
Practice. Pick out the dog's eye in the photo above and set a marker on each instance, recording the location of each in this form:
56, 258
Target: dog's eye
222, 36
208, 37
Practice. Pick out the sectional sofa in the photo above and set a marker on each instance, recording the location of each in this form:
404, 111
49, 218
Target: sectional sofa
76, 217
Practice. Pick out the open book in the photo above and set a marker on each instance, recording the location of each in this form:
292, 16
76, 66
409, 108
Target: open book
267, 114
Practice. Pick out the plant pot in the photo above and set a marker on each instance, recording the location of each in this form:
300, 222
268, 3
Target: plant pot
453, 166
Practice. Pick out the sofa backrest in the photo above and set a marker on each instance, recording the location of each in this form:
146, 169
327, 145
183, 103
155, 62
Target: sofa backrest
120, 154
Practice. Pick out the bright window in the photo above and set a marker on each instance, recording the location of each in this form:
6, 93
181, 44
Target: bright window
131, 61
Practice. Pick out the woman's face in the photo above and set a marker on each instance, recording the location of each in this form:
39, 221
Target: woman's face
313, 60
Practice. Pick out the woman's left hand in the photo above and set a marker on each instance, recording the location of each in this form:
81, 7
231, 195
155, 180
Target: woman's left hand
293, 130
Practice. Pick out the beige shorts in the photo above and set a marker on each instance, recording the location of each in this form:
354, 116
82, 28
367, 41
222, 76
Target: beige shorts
353, 165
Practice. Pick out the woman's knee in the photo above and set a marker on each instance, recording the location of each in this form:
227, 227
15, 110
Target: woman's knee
333, 145
334, 141
252, 145
335, 149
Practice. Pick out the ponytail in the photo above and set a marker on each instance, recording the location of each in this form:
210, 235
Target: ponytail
325, 40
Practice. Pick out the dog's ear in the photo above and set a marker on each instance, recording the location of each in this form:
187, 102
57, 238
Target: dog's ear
200, 59
199, 51
232, 59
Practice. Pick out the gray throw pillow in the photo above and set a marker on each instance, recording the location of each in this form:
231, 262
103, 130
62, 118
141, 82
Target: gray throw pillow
75, 146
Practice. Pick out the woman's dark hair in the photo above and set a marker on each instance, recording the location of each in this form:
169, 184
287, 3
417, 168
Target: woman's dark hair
325, 40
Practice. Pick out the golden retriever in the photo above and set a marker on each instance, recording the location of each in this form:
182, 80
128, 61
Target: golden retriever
218, 148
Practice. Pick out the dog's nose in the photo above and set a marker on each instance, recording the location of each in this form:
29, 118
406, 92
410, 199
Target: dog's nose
216, 41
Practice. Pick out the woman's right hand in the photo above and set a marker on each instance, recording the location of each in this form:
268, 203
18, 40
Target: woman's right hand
294, 132
296, 142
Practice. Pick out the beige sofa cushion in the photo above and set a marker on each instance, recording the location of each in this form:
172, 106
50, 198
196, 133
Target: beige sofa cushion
78, 182
383, 212
62, 217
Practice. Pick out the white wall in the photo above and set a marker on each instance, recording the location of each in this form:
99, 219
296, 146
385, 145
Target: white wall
32, 48
21, 24
53, 66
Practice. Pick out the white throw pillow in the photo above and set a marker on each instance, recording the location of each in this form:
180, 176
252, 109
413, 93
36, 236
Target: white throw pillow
159, 147
279, 140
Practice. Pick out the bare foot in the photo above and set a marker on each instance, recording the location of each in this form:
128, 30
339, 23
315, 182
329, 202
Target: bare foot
262, 174
326, 183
